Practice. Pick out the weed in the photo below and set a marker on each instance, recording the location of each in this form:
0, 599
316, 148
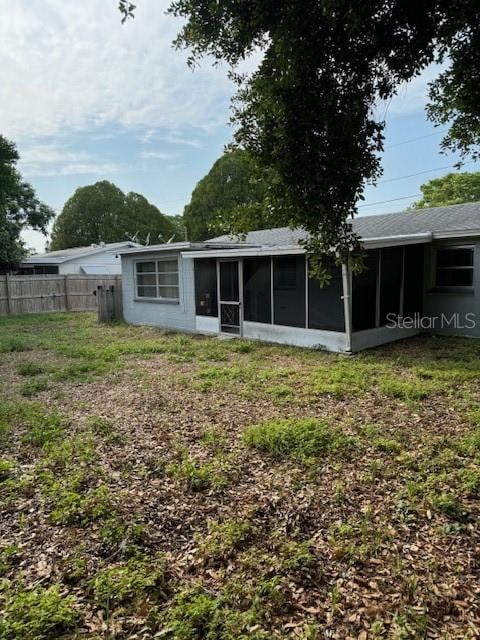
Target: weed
214, 439
139, 580
36, 614
28, 368
116, 535
303, 438
8, 554
225, 538
358, 539
39, 426
32, 387
10, 344
6, 469
197, 476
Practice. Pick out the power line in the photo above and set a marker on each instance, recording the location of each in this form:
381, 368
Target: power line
428, 135
415, 195
412, 175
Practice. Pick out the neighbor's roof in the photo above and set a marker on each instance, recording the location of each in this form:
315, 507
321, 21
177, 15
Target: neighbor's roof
65, 255
460, 219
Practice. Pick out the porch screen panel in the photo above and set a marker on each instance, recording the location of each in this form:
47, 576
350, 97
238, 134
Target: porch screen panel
257, 292
289, 291
325, 304
414, 278
206, 287
390, 282
364, 294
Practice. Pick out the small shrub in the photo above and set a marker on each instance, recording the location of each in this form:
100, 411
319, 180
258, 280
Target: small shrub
304, 438
36, 614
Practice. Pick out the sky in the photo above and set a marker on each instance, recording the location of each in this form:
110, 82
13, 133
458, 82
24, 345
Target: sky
86, 98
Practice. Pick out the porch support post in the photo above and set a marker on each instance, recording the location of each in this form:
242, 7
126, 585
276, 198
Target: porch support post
347, 305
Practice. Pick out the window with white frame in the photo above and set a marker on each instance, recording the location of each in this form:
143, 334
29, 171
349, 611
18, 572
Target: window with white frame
158, 279
454, 267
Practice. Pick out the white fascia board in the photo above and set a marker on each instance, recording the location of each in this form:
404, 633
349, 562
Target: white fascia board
154, 248
244, 253
462, 233
395, 241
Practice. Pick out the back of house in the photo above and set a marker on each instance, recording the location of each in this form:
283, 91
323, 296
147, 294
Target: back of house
421, 275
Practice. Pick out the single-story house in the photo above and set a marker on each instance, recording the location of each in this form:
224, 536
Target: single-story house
422, 274
96, 259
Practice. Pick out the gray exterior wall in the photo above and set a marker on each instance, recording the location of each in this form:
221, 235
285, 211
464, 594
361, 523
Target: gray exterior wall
179, 316
437, 302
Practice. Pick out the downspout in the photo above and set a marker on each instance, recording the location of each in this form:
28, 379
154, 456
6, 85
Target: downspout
347, 306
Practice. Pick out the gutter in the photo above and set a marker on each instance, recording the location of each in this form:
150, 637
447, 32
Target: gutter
347, 306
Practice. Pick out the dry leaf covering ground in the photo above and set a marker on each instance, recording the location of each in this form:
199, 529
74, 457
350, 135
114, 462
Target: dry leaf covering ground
158, 485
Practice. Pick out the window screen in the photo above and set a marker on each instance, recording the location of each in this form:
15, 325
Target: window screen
157, 279
206, 287
289, 290
364, 294
391, 267
229, 289
413, 280
454, 267
325, 304
257, 293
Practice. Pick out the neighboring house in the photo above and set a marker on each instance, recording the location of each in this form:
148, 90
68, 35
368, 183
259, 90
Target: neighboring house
97, 259
423, 274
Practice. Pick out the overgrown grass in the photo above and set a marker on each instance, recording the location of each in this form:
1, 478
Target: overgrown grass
37, 613
298, 438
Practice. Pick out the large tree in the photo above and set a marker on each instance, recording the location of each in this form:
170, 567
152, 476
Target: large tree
19, 208
313, 110
454, 188
102, 212
231, 192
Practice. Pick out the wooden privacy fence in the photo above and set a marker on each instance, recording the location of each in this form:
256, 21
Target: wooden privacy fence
109, 301
41, 294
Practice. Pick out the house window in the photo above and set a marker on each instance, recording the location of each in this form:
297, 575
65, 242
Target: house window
157, 279
454, 267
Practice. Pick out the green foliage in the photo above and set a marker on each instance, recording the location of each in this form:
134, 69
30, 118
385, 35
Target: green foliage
197, 476
312, 101
28, 368
39, 427
140, 579
32, 387
197, 615
454, 188
10, 344
35, 614
116, 535
103, 213
6, 469
225, 538
231, 190
19, 208
358, 539
71, 501
8, 554
298, 438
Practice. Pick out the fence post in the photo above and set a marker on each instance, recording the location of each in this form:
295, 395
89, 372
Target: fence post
9, 299
67, 299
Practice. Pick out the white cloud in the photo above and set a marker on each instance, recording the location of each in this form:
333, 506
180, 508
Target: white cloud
159, 155
54, 160
73, 66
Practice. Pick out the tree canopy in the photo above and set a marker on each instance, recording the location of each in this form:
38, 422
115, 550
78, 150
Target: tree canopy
231, 194
19, 208
102, 212
310, 112
454, 188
